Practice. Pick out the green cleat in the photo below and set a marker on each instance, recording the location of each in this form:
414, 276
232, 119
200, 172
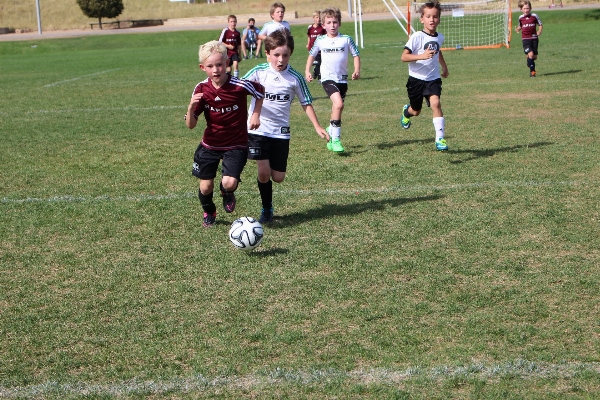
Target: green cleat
441, 145
405, 122
336, 146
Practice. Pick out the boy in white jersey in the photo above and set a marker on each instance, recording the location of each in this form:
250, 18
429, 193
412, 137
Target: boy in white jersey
335, 49
269, 143
424, 55
277, 13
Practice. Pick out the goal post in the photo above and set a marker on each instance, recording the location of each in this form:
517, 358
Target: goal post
469, 24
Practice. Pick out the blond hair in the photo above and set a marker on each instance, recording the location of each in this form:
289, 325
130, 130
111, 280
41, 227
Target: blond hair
331, 12
317, 13
275, 6
210, 48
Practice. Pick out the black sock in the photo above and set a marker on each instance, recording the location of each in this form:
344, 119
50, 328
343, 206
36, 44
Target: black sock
266, 193
206, 200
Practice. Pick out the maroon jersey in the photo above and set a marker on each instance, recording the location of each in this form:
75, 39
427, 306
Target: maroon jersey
313, 32
528, 25
230, 37
226, 112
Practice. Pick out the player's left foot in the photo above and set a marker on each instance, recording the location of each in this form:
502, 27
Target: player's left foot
532, 74
208, 220
266, 216
228, 201
336, 146
405, 122
441, 145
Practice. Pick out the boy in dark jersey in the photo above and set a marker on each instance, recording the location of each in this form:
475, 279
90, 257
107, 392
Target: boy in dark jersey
233, 41
530, 26
223, 100
315, 30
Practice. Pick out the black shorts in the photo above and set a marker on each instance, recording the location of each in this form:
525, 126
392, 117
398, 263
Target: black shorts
332, 87
206, 163
267, 148
234, 57
530, 45
417, 89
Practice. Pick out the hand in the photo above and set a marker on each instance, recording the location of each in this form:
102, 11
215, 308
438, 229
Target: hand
254, 121
428, 55
309, 76
355, 75
323, 133
195, 100
445, 72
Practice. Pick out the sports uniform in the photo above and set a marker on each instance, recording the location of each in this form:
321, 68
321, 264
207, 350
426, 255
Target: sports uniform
424, 75
528, 24
231, 38
312, 34
272, 26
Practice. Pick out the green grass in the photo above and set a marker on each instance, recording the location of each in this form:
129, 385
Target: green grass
392, 271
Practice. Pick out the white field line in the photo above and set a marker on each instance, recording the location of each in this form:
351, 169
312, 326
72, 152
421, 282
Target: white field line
517, 369
81, 77
293, 192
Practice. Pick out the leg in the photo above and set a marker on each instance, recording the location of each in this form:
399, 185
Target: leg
205, 195
244, 52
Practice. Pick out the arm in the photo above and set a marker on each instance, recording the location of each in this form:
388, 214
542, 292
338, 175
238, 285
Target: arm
445, 72
356, 73
309, 63
310, 113
190, 119
539, 32
255, 117
407, 56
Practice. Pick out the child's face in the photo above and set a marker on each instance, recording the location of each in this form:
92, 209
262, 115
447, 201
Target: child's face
430, 19
331, 25
278, 14
526, 9
215, 67
316, 19
232, 23
279, 57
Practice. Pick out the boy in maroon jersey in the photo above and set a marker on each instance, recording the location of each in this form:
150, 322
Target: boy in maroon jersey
223, 99
314, 30
233, 41
530, 26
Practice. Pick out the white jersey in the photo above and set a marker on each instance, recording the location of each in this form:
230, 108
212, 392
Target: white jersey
418, 43
280, 90
334, 56
272, 26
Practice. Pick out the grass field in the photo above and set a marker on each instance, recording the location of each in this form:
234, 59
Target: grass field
391, 271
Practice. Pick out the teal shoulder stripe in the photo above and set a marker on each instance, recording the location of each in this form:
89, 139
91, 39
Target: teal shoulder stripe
259, 67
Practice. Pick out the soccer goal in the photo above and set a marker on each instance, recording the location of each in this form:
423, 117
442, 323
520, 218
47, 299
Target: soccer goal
469, 24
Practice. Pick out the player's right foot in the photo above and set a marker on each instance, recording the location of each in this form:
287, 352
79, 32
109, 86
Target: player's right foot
329, 144
532, 74
266, 216
228, 201
405, 122
209, 219
336, 145
441, 145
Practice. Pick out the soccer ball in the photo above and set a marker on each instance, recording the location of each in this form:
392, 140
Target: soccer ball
246, 233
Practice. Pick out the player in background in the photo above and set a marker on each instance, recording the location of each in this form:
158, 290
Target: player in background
530, 26
269, 144
277, 12
424, 55
250, 38
223, 100
233, 41
554, 5
335, 49
313, 31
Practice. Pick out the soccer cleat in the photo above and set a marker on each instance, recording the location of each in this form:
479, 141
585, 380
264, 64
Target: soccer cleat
532, 74
441, 145
405, 122
209, 219
336, 145
266, 216
228, 201
329, 144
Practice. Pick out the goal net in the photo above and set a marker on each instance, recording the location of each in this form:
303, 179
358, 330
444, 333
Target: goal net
469, 24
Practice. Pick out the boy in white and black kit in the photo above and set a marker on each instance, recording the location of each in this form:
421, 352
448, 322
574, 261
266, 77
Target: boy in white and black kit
335, 49
424, 55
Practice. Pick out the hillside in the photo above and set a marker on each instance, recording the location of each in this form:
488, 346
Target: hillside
66, 14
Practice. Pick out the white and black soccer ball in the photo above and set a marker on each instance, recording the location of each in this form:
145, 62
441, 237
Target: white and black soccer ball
246, 233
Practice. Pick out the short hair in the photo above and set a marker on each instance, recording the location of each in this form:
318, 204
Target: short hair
279, 38
231, 16
210, 48
523, 3
331, 12
275, 6
317, 13
431, 4
251, 19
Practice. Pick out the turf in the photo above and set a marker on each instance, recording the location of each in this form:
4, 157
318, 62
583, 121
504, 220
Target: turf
391, 270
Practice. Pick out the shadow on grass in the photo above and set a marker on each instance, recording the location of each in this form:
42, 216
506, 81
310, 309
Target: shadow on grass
404, 142
335, 210
492, 152
571, 71
594, 14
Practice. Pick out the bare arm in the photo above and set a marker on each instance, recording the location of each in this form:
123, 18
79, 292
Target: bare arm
310, 113
309, 63
407, 56
255, 117
190, 119
445, 72
356, 73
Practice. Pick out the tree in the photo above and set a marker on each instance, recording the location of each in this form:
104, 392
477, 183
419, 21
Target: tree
101, 9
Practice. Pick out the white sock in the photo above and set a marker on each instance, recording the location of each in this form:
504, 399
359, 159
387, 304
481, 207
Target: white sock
335, 131
236, 73
438, 124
